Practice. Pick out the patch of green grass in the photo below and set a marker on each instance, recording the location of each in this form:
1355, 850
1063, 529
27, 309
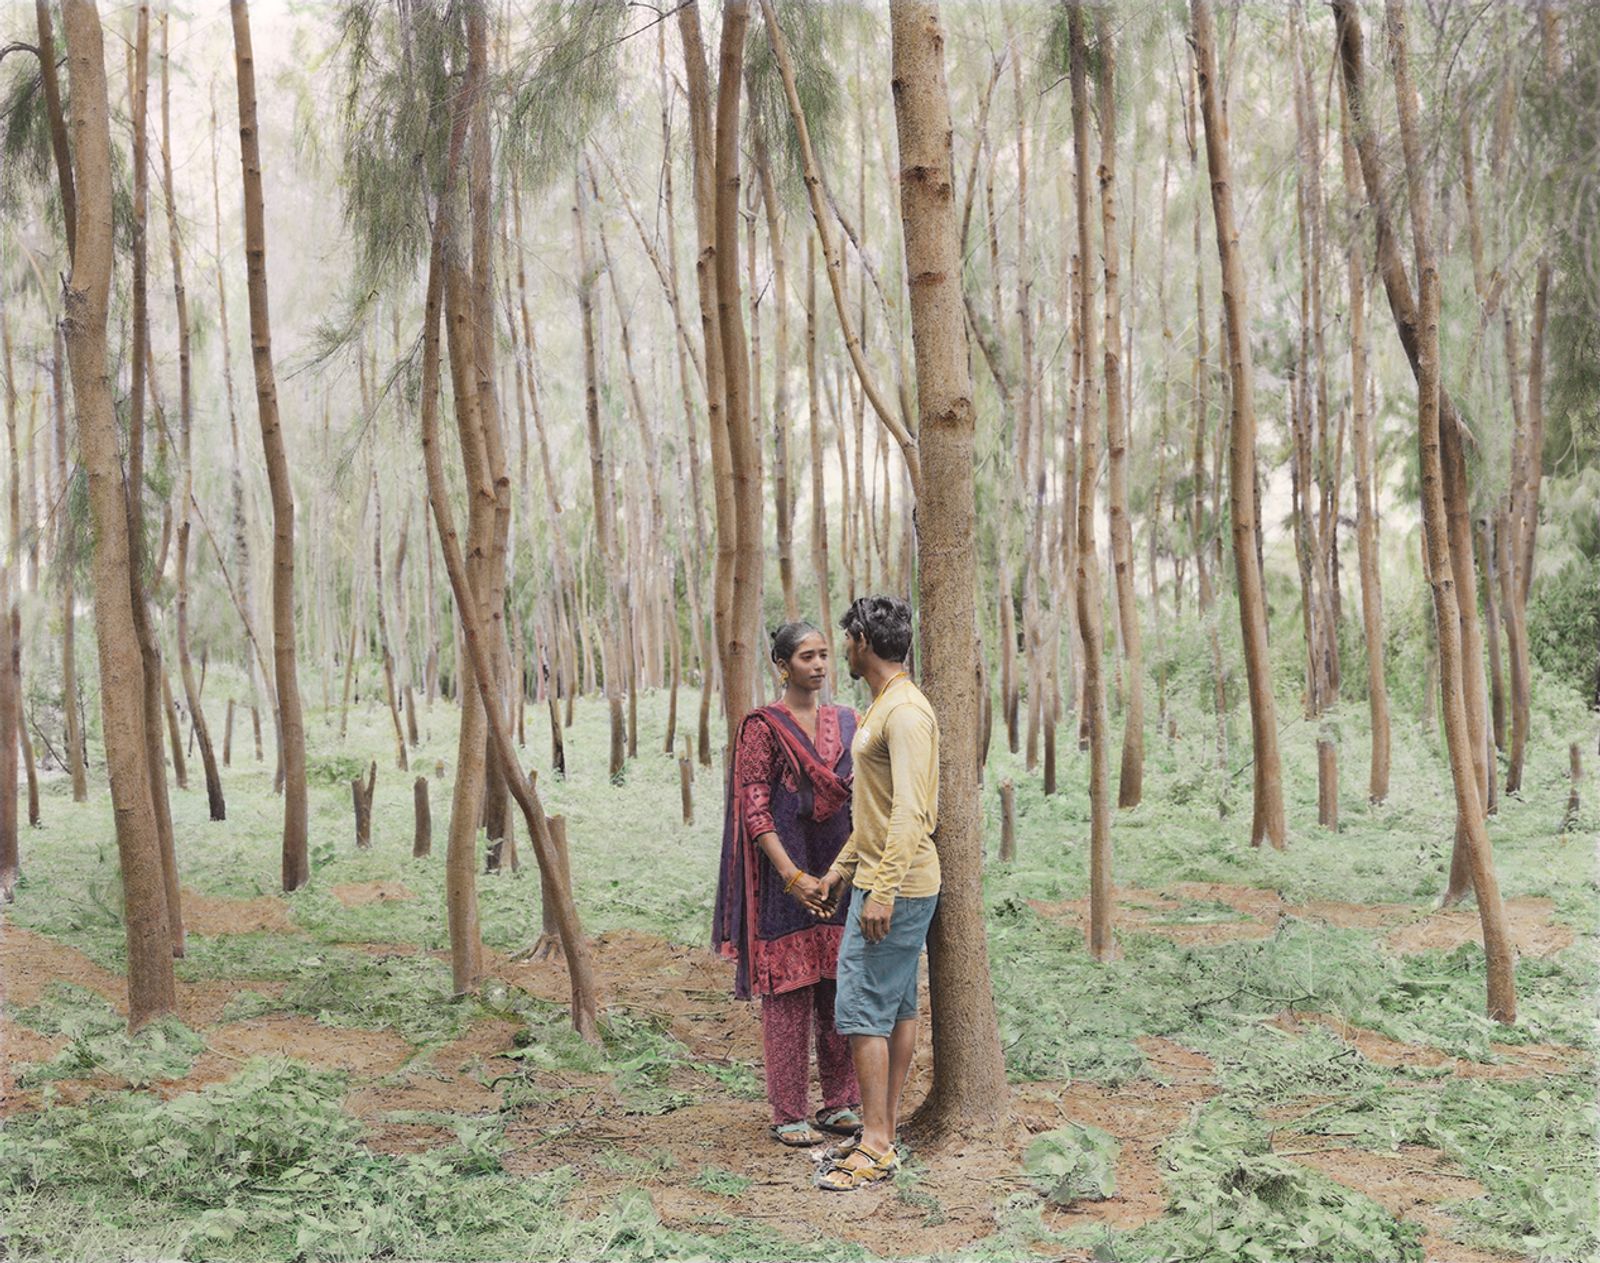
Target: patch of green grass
1532, 1143
1232, 1200
722, 1182
99, 1043
642, 1166
410, 995
1085, 1022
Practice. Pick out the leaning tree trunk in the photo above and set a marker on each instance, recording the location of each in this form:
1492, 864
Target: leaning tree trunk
1130, 784
969, 1085
1087, 580
474, 638
76, 763
191, 692
10, 863
151, 987
291, 726
1497, 946
149, 649
1268, 817
1361, 440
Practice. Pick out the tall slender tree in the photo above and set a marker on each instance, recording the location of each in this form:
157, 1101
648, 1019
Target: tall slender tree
152, 990
1088, 591
969, 1087
1130, 784
1453, 667
286, 686
1267, 820
191, 691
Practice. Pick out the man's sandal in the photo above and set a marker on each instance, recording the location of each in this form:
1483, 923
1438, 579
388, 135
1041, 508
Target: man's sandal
859, 1167
797, 1135
842, 1120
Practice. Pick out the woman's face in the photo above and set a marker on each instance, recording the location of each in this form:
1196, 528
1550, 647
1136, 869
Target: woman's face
808, 664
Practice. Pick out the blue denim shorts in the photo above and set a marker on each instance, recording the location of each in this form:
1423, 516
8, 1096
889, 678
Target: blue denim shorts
877, 982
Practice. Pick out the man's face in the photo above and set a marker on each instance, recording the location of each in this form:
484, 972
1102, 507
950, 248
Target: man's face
854, 647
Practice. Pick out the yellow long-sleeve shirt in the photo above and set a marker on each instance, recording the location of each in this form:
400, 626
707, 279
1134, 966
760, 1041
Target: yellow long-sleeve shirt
895, 805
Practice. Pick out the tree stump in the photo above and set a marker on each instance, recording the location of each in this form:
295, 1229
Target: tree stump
255, 725
558, 748
549, 945
1568, 821
686, 788
1008, 821
227, 737
619, 739
422, 840
361, 793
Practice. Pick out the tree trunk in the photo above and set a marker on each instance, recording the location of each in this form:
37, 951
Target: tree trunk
422, 839
1362, 441
473, 638
969, 1090
149, 649
191, 691
1453, 669
1088, 591
1267, 816
1130, 784
286, 686
10, 861
361, 796
76, 764
151, 988
744, 608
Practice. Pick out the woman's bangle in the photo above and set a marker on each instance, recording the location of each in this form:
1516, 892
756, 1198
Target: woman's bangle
789, 885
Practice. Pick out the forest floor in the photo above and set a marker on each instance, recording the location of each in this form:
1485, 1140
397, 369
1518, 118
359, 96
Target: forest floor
1288, 1061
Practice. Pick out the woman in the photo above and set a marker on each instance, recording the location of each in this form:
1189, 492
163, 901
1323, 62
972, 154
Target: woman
788, 816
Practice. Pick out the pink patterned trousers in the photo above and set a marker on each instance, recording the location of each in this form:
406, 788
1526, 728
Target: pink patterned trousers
786, 1025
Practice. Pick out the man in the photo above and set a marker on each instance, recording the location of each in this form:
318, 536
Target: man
890, 869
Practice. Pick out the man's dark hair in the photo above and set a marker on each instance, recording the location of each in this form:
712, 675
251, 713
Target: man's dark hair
884, 622
788, 637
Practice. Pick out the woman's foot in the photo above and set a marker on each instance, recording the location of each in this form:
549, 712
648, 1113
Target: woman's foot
796, 1135
841, 1120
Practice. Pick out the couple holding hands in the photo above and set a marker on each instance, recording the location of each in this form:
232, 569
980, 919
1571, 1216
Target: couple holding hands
829, 880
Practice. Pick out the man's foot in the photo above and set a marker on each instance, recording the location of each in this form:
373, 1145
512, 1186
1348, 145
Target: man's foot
861, 1166
796, 1135
842, 1120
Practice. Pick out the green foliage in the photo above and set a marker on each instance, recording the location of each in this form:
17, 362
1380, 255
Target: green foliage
334, 769
267, 1165
1532, 1143
407, 994
1564, 626
1232, 1200
721, 1182
564, 85
99, 1043
1073, 1163
808, 28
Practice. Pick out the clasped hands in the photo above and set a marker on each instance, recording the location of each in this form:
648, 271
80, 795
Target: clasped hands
820, 897
818, 894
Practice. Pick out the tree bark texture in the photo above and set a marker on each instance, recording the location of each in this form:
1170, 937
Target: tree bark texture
969, 1088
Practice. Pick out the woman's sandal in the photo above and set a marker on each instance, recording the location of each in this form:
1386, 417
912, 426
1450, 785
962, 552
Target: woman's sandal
797, 1135
842, 1120
861, 1166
